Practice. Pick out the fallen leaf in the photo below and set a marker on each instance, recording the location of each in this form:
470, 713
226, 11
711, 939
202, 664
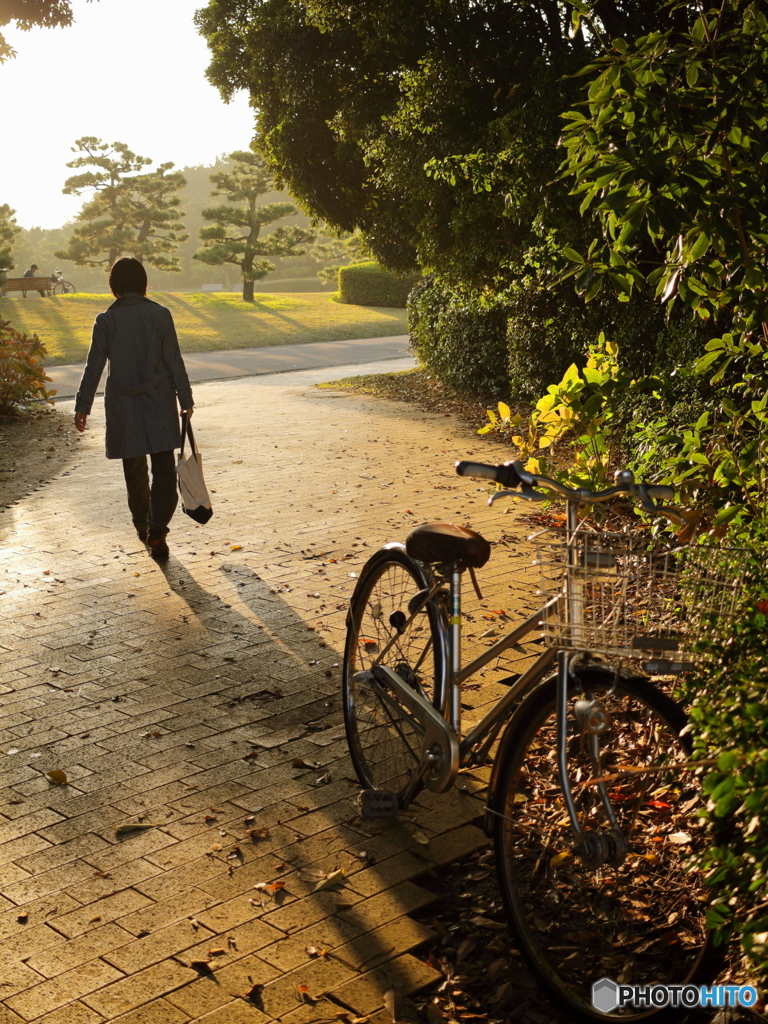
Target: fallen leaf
218, 951
209, 817
57, 776
303, 993
236, 547
680, 838
276, 886
258, 833
434, 1013
334, 878
421, 837
301, 763
253, 994
486, 922
195, 924
467, 946
93, 920
137, 826
22, 918
392, 1003
202, 967
559, 858
503, 993
216, 847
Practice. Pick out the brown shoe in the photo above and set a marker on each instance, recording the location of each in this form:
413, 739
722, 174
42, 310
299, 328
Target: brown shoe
158, 548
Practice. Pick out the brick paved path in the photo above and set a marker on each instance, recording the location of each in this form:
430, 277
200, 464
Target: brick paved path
182, 697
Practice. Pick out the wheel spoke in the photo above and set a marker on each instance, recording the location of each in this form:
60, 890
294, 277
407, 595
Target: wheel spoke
385, 740
640, 921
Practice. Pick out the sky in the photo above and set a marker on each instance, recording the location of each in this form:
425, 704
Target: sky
150, 49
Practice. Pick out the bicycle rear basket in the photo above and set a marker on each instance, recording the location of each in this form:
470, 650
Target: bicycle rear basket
626, 595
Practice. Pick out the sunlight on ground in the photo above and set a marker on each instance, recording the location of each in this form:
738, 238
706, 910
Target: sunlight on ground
207, 323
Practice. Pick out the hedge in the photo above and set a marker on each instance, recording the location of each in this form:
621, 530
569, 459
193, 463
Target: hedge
368, 284
461, 337
551, 327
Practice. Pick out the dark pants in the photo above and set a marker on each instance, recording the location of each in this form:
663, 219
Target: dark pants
151, 507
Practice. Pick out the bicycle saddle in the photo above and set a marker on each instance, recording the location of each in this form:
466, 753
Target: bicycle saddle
443, 542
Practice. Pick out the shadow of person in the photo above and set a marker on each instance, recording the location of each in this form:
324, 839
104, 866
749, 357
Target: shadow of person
260, 648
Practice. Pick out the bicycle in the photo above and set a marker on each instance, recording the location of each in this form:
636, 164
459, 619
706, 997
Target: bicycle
593, 796
59, 286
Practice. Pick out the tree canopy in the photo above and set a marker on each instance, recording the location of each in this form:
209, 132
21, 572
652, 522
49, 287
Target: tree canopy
235, 237
29, 13
669, 150
131, 211
430, 126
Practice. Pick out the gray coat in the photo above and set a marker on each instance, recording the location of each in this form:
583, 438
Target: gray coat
146, 373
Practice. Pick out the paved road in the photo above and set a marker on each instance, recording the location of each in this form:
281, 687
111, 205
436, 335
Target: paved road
191, 698
243, 362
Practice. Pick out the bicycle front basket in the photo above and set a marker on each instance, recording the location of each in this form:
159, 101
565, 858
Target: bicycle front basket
626, 595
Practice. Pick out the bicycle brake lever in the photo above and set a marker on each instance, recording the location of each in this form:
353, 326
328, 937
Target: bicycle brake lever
526, 493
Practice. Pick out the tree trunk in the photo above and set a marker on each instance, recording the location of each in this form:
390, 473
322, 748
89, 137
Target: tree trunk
248, 255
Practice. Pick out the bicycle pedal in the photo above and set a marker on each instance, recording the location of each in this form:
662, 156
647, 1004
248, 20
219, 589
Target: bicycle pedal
377, 803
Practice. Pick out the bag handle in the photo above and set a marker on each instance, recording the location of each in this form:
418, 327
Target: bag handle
186, 428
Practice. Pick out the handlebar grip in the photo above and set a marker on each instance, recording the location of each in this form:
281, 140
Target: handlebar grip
506, 474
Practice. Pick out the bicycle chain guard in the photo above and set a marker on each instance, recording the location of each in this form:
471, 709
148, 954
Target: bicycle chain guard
440, 746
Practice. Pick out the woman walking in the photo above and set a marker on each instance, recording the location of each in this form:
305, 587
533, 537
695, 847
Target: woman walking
146, 374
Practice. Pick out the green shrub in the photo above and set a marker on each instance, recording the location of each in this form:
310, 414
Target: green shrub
22, 375
729, 722
460, 337
368, 284
551, 327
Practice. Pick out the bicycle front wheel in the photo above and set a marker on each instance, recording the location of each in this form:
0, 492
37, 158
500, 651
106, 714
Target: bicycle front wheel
63, 288
384, 740
640, 922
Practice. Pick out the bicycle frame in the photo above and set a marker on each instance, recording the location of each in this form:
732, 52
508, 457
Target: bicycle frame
445, 751
473, 748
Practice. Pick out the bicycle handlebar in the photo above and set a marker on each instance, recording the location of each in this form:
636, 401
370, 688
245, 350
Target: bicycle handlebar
512, 475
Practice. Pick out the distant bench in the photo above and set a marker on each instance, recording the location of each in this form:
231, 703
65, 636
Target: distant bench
26, 284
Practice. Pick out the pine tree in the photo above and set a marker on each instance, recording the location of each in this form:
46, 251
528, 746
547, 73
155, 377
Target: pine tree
131, 212
8, 231
235, 235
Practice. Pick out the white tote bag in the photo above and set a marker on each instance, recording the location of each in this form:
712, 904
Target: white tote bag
195, 500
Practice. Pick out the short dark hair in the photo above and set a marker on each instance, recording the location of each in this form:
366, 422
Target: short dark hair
127, 275
34, 266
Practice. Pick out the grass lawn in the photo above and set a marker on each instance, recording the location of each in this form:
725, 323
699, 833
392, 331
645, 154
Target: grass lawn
207, 322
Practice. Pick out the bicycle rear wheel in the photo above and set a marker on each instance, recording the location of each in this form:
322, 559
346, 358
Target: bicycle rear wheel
384, 739
641, 922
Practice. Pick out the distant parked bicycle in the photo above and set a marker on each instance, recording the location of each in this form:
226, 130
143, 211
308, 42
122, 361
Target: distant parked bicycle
593, 797
59, 286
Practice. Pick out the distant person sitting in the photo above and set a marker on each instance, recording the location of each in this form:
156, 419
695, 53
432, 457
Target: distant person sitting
32, 272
